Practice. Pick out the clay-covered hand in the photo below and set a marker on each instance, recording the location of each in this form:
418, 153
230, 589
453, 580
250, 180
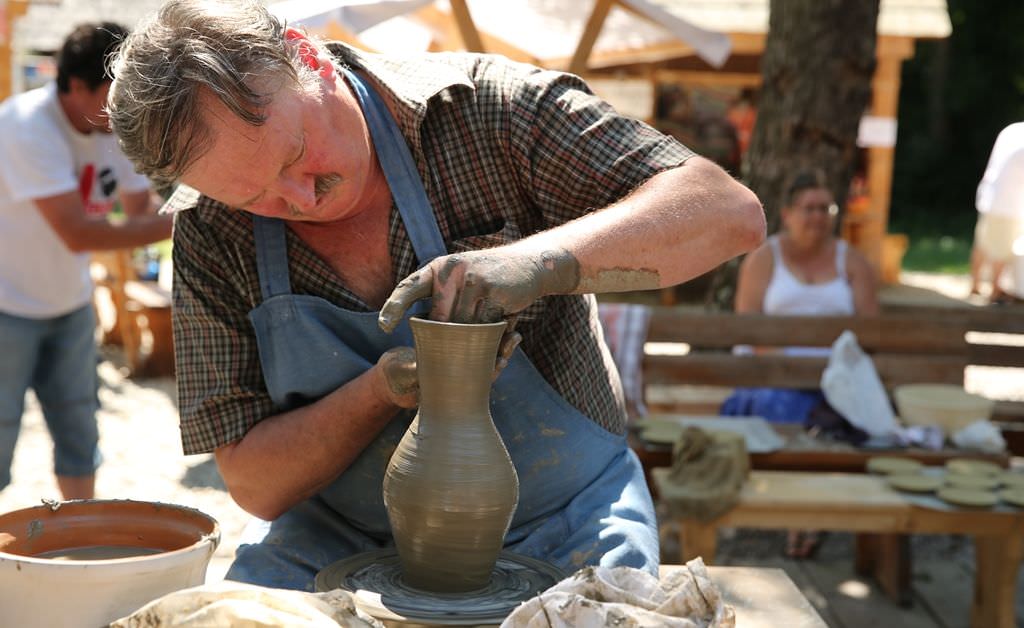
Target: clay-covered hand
483, 286
398, 383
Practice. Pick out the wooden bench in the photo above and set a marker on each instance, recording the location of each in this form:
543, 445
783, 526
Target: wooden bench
906, 347
922, 345
141, 322
864, 503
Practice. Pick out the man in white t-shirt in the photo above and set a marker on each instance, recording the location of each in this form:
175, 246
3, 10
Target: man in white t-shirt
999, 235
61, 172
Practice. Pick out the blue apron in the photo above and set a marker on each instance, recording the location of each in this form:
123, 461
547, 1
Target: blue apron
582, 495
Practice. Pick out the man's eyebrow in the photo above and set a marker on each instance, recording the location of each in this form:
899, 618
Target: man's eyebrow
302, 151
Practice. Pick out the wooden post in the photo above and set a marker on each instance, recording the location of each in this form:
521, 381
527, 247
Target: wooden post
885, 100
14, 10
467, 28
578, 65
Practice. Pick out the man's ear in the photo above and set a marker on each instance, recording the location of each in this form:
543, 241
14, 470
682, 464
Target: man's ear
309, 53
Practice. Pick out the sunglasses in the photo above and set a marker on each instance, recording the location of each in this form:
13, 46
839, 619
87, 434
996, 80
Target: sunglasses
831, 209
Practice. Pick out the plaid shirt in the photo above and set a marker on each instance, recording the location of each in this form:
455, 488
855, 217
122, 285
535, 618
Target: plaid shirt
504, 150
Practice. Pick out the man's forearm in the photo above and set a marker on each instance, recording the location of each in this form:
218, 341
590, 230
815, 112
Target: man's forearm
287, 458
678, 225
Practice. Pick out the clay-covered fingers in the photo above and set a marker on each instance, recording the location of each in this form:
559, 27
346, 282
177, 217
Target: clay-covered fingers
416, 286
484, 286
509, 342
400, 385
477, 286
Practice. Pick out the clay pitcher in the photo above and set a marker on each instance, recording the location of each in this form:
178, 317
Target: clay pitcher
450, 488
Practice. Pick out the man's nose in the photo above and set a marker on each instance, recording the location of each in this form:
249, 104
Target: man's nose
297, 190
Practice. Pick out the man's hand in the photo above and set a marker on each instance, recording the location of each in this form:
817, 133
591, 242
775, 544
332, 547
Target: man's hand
398, 382
482, 286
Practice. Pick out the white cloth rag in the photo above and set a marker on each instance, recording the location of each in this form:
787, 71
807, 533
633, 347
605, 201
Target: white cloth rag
852, 387
628, 597
241, 605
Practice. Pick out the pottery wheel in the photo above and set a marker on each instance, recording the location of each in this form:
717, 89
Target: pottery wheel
375, 579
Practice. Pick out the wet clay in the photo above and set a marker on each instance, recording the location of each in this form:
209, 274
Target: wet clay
375, 580
450, 488
98, 552
140, 527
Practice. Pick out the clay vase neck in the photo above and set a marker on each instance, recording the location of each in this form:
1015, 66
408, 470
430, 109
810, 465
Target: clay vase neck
450, 488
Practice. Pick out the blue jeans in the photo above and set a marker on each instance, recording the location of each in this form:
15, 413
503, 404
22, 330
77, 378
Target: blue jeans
56, 357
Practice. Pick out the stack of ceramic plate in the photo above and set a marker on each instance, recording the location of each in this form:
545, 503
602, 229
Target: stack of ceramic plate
963, 482
893, 465
971, 483
904, 474
1013, 488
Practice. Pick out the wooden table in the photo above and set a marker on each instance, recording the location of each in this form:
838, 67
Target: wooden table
762, 597
865, 503
803, 452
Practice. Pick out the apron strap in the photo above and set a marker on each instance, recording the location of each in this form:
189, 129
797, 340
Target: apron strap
271, 256
401, 173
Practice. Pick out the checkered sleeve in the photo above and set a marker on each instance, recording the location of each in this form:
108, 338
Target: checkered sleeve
575, 152
220, 384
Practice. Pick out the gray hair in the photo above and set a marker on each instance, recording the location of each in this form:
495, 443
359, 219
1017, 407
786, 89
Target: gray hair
234, 49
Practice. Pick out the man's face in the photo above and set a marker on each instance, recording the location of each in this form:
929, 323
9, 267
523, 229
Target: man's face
91, 104
311, 160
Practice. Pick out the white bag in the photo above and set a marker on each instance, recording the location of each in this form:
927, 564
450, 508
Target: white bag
852, 386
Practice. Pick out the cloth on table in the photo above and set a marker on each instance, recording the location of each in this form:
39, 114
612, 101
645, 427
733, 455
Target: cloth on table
708, 470
242, 605
624, 596
625, 332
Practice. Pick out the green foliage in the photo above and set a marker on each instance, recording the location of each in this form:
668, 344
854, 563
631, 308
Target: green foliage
956, 95
938, 254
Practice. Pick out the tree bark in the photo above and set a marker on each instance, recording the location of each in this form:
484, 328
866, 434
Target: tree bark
817, 67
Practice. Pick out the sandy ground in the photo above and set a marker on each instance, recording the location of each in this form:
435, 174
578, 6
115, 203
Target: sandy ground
143, 459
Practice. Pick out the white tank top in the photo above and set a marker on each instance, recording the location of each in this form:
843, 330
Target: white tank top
788, 295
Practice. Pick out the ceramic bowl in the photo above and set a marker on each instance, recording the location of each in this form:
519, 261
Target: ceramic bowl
944, 405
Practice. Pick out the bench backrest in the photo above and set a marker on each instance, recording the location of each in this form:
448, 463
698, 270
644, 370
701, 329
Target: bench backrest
905, 347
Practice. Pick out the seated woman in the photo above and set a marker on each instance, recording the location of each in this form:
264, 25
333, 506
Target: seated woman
803, 270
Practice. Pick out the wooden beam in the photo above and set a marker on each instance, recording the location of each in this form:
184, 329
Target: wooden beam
467, 28
742, 44
442, 23
892, 333
789, 371
595, 23
14, 10
711, 79
337, 32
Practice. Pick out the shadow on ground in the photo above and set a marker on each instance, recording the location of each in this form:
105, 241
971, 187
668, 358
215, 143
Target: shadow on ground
203, 475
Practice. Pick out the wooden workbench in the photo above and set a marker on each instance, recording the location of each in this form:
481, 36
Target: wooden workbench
864, 503
762, 597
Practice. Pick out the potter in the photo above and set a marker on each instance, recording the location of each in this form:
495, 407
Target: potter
330, 195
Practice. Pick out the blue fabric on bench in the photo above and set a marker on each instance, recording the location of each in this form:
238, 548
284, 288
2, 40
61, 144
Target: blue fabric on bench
776, 405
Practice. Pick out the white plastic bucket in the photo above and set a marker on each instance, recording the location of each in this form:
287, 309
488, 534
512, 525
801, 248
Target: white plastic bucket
40, 591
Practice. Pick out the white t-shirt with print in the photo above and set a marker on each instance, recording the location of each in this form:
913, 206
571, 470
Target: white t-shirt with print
42, 155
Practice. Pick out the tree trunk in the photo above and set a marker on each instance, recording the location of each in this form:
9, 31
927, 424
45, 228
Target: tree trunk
817, 67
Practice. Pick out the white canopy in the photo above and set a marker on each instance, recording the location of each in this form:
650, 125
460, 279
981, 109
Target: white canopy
546, 30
